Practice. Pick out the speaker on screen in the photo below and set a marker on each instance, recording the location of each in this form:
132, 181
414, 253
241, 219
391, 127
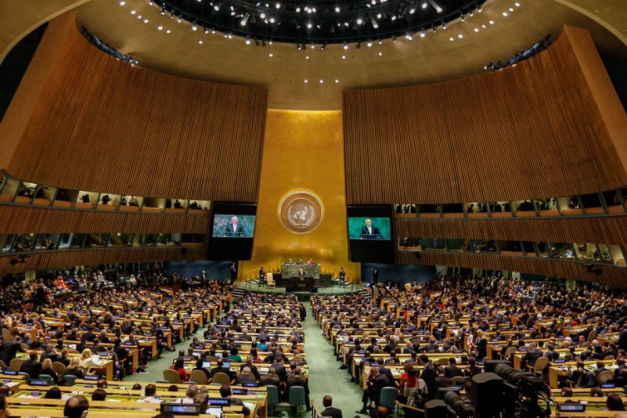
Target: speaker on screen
232, 231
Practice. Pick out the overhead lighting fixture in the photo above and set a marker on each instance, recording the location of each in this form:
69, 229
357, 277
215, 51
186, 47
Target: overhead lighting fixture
436, 6
369, 44
424, 5
194, 28
244, 20
374, 22
122, 3
345, 46
423, 34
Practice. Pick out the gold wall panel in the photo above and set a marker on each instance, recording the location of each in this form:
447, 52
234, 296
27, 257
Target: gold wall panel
302, 151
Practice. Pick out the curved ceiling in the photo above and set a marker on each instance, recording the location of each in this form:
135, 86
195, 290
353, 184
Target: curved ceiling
283, 69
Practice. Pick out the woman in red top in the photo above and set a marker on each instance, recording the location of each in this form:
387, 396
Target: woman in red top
179, 367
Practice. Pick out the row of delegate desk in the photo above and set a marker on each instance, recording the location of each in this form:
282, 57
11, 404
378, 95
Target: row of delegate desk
122, 401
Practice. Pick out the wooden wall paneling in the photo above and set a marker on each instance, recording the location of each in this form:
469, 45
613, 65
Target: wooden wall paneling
530, 131
24, 220
101, 124
599, 230
61, 259
610, 275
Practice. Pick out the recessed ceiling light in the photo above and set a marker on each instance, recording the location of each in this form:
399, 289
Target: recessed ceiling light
423, 34
476, 29
505, 14
321, 81
491, 22
200, 42
460, 36
306, 81
451, 39
380, 54
270, 55
160, 28
133, 12
307, 57
168, 31
369, 44
337, 81
343, 57
122, 3
517, 4
145, 20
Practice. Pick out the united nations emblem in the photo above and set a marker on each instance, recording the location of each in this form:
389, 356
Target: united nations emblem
300, 212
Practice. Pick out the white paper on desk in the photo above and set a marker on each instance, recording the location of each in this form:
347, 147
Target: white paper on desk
250, 406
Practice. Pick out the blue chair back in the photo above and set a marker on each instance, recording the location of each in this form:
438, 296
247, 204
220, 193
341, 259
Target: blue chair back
70, 379
273, 395
47, 378
388, 397
297, 396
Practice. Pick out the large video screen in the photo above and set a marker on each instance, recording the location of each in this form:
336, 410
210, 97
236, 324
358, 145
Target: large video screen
233, 226
232, 231
362, 227
370, 234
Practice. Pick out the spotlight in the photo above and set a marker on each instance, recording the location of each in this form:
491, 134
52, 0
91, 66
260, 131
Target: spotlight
278, 5
436, 6
345, 46
369, 44
244, 20
247, 41
298, 10
443, 25
423, 34
162, 12
309, 25
360, 21
424, 5
374, 22
337, 9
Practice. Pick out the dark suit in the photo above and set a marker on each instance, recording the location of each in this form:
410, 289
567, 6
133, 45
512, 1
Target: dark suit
531, 356
332, 412
9, 350
374, 233
32, 367
229, 232
428, 375
452, 371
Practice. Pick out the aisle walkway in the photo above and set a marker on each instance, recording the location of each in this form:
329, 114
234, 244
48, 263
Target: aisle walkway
325, 376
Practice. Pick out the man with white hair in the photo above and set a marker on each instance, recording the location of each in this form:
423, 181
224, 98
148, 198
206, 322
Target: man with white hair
246, 376
233, 228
